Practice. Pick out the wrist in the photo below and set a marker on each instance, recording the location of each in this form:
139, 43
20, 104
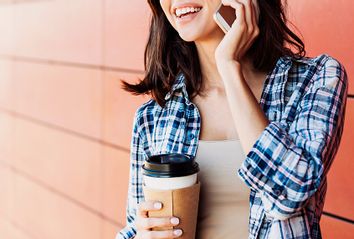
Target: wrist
226, 67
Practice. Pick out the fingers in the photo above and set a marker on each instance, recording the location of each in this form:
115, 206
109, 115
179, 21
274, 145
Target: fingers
146, 206
245, 10
240, 13
255, 6
161, 234
144, 226
255, 12
149, 223
249, 14
252, 26
246, 15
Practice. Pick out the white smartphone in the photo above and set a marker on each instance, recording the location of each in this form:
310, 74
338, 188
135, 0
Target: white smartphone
224, 17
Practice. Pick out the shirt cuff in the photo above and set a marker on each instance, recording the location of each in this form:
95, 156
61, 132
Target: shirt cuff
259, 169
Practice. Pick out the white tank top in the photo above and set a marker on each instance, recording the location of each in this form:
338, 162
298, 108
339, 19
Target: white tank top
224, 198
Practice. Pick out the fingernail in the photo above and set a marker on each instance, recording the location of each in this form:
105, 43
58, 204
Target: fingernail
157, 205
174, 220
177, 232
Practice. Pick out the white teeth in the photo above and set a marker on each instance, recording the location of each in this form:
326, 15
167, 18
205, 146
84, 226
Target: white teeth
185, 10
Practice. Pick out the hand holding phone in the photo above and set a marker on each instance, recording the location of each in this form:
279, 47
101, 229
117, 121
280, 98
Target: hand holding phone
237, 40
224, 17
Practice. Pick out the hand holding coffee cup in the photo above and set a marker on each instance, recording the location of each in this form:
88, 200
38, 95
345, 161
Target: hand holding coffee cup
145, 224
172, 180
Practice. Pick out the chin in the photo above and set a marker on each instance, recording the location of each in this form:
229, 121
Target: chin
188, 37
198, 33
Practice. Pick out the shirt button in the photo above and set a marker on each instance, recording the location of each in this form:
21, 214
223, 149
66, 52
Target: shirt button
277, 192
191, 136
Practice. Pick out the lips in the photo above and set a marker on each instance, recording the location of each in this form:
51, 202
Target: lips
186, 18
183, 5
186, 14
185, 11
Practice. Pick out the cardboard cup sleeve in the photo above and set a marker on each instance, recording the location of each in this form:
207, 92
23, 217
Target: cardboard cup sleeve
181, 203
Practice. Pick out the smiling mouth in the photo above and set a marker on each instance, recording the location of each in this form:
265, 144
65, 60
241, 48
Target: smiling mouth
181, 13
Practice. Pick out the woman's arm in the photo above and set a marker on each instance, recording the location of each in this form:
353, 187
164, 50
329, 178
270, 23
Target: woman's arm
135, 194
287, 163
248, 117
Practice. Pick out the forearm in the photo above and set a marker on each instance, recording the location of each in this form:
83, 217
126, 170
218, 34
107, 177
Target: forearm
248, 117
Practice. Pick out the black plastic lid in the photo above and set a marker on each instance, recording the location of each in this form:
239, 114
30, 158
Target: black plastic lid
170, 165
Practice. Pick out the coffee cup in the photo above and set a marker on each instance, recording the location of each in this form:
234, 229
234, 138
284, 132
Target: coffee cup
173, 180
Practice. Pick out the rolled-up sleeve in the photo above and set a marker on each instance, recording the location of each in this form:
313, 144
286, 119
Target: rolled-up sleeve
135, 195
287, 162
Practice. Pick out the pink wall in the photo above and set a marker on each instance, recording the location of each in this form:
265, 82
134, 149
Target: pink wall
65, 124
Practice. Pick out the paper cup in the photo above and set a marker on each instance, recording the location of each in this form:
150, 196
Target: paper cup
170, 183
181, 203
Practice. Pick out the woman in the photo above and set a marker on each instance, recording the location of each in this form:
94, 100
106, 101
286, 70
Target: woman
229, 94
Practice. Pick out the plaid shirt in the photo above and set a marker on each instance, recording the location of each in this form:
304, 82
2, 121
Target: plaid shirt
286, 168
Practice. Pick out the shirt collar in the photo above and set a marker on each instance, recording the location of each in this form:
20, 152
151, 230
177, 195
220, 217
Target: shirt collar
284, 62
179, 84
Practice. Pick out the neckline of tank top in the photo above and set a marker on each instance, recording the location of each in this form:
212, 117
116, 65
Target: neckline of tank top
219, 141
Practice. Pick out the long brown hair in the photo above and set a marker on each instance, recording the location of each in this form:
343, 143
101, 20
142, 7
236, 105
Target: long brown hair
166, 54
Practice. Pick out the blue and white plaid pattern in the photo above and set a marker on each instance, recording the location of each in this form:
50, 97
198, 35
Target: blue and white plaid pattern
286, 169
